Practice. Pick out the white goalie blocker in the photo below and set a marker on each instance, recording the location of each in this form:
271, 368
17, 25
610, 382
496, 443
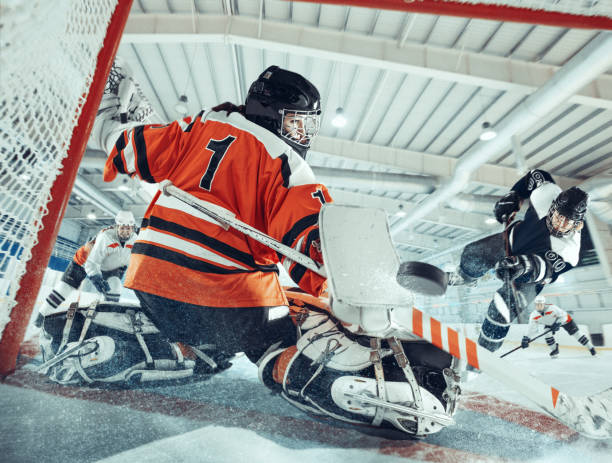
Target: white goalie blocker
362, 266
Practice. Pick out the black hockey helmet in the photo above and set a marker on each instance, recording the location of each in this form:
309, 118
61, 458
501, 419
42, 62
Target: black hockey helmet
571, 204
287, 104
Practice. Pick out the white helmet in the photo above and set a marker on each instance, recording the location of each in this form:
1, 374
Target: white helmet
124, 225
540, 300
125, 218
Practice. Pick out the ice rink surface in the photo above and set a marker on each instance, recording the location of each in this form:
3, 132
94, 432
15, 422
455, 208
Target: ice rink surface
231, 417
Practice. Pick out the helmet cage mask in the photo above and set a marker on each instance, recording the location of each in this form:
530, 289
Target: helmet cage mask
559, 225
299, 127
566, 213
278, 93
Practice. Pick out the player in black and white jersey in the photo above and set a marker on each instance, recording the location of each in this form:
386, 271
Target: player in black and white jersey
542, 246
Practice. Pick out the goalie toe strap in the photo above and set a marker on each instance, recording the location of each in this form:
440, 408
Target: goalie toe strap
375, 358
137, 325
68, 325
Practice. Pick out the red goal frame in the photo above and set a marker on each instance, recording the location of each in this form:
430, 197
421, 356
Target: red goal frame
31, 281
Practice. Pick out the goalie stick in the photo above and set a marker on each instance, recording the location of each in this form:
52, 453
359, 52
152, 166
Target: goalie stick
229, 219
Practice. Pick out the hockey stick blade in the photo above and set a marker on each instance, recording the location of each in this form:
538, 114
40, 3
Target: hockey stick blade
590, 416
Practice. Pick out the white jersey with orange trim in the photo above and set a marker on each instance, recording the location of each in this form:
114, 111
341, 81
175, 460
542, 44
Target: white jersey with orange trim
107, 252
549, 316
183, 255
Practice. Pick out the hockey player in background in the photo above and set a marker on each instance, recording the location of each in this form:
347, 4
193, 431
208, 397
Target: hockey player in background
103, 260
552, 318
542, 246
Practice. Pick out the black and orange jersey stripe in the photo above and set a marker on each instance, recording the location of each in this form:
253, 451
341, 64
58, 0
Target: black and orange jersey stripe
184, 255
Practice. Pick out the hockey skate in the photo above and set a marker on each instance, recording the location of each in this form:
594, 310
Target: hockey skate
123, 106
555, 352
592, 351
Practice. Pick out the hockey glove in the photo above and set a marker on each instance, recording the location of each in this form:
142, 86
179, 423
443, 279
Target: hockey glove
506, 206
100, 283
516, 266
525, 342
555, 327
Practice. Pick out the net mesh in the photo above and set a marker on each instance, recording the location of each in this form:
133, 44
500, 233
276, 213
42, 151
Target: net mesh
578, 7
48, 53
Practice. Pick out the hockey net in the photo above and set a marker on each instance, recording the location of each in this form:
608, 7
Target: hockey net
49, 53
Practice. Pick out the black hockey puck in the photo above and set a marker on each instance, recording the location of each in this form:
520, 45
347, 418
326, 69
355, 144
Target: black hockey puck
422, 278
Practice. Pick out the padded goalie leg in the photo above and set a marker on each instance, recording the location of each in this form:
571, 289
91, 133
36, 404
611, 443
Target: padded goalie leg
332, 375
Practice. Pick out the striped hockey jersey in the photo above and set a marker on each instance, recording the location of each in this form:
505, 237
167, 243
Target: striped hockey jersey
183, 255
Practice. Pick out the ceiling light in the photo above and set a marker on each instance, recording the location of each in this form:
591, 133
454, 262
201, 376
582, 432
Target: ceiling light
400, 214
123, 187
488, 133
339, 120
181, 105
91, 215
490, 221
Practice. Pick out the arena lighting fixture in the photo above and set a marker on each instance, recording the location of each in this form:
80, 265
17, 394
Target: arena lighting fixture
123, 188
490, 221
181, 105
91, 215
339, 120
487, 132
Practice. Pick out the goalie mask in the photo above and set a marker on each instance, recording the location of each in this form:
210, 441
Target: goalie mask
124, 225
566, 213
288, 105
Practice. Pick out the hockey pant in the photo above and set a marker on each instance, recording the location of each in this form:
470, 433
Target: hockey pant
218, 332
121, 346
333, 373
71, 281
572, 329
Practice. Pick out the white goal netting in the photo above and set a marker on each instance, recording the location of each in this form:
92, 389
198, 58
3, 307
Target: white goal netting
48, 53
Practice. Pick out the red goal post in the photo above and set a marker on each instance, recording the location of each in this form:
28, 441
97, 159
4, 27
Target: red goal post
55, 58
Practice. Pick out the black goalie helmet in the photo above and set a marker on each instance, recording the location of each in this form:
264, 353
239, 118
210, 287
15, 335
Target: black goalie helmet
288, 105
567, 211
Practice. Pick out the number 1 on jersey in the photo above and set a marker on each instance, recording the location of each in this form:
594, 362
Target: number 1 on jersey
219, 148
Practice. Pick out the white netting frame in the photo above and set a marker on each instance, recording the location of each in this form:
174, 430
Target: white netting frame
577, 7
48, 54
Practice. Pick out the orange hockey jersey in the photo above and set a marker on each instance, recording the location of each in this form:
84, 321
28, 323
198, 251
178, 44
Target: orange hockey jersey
184, 255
